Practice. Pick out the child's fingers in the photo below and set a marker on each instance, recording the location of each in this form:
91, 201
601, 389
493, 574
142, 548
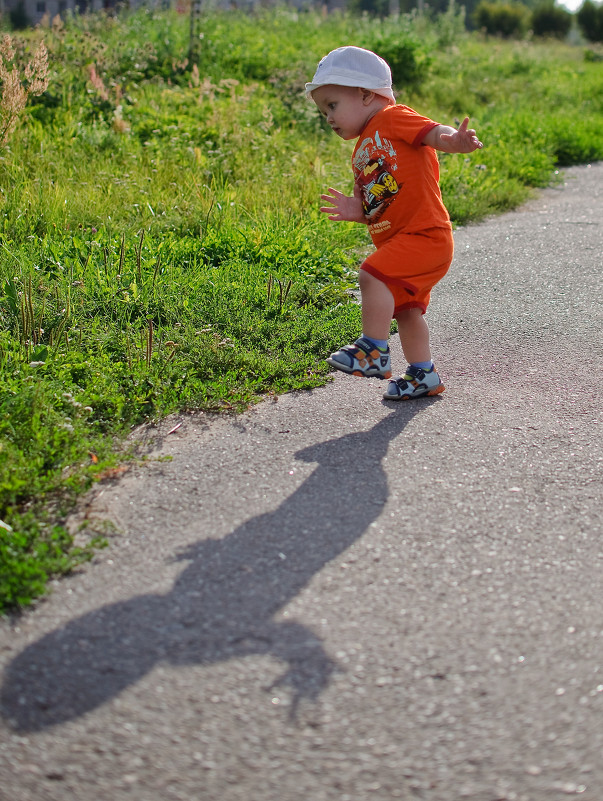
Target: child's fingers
334, 197
331, 208
471, 133
463, 129
474, 139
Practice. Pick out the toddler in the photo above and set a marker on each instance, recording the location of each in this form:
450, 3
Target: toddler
397, 194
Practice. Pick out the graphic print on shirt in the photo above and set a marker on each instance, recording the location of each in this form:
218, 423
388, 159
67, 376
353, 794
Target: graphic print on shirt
374, 165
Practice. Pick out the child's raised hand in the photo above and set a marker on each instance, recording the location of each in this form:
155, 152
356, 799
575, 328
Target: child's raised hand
463, 140
344, 208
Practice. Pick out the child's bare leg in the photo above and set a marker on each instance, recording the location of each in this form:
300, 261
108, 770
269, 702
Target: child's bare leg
369, 355
377, 307
414, 335
421, 378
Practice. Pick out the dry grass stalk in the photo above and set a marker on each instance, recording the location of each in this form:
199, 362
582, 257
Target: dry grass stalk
97, 82
15, 87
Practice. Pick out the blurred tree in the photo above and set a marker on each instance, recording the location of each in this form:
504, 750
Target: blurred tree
377, 8
551, 20
590, 21
501, 19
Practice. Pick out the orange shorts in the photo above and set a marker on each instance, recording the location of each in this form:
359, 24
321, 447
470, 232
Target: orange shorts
411, 265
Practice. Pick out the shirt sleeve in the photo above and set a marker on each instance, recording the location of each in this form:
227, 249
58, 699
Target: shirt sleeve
410, 126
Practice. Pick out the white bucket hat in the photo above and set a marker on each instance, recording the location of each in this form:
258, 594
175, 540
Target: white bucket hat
353, 66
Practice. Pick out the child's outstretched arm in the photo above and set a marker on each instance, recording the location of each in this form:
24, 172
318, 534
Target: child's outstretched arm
451, 140
344, 207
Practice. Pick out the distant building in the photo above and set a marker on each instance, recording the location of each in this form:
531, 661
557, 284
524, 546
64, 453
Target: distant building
33, 11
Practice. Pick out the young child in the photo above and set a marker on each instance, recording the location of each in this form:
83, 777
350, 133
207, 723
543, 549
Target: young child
397, 194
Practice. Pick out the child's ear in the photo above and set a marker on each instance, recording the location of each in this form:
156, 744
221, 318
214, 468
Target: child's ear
367, 96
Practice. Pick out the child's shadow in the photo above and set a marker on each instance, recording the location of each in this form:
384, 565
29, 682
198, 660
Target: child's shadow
223, 604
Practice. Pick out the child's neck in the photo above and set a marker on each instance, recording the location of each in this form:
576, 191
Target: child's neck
377, 104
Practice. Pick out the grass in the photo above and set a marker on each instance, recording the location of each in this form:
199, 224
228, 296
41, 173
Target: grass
161, 246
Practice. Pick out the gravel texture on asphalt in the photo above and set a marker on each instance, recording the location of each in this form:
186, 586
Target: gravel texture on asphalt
333, 597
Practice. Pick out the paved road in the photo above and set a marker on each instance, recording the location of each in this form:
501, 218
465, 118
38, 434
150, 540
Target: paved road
333, 598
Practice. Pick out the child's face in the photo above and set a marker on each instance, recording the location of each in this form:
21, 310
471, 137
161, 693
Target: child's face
347, 109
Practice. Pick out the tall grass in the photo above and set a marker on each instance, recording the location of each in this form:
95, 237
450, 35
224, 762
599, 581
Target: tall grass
161, 246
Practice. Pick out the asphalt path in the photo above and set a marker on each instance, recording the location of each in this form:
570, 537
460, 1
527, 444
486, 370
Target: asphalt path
337, 598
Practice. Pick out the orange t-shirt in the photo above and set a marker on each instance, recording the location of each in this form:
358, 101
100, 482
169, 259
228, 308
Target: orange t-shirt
398, 175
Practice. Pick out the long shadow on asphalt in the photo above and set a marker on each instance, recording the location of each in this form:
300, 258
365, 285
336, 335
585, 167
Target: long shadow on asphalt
222, 605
